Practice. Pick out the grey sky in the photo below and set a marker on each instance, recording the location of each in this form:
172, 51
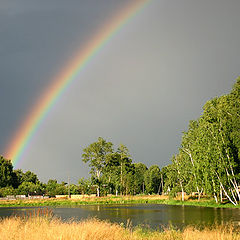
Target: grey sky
140, 90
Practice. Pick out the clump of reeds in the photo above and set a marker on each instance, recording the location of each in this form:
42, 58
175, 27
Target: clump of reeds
38, 226
38, 213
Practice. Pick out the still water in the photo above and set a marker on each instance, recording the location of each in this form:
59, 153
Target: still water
148, 215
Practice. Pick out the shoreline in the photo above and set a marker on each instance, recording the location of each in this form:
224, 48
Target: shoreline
153, 199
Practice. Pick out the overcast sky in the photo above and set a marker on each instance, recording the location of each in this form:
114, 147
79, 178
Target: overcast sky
141, 89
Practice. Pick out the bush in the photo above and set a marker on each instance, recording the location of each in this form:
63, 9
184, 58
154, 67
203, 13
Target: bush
7, 191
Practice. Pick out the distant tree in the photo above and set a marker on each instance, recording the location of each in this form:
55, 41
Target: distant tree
30, 177
17, 177
111, 174
118, 173
152, 179
84, 186
6, 172
7, 191
53, 188
126, 168
97, 155
74, 189
29, 188
140, 170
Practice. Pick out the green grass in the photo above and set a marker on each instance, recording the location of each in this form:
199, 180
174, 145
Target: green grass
112, 200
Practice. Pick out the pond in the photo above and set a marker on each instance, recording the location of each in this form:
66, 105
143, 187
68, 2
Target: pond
153, 216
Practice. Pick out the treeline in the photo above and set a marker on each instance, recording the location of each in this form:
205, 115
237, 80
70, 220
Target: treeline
17, 182
209, 156
112, 172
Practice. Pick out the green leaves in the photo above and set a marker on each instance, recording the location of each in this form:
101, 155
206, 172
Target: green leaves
113, 171
6, 172
97, 154
152, 178
208, 160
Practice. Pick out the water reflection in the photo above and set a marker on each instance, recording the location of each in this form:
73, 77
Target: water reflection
149, 215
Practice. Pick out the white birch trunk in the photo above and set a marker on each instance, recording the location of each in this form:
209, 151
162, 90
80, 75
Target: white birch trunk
225, 191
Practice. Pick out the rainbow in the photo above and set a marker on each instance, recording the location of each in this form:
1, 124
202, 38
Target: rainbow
28, 129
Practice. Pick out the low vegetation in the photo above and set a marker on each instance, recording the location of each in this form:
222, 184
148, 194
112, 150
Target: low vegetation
44, 226
41, 224
144, 199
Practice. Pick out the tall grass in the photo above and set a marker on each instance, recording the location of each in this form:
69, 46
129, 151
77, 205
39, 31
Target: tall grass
40, 226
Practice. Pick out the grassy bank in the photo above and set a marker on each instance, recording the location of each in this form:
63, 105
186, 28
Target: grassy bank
48, 228
156, 199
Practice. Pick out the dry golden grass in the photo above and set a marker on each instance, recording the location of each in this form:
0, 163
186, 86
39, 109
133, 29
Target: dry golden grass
48, 228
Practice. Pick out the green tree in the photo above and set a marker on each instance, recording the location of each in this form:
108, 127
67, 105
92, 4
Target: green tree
53, 188
74, 189
17, 177
152, 179
84, 186
30, 177
97, 154
6, 172
111, 174
140, 170
191, 146
126, 169
29, 188
7, 191
209, 158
